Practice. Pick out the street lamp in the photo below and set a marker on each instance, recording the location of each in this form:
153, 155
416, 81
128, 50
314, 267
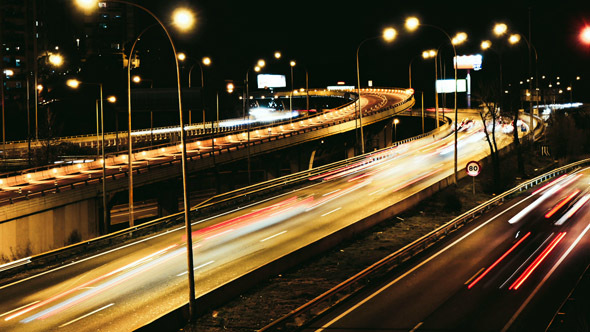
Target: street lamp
585, 35
395, 122
246, 105
74, 84
412, 24
432, 54
138, 79
388, 35
291, 64
191, 280
207, 62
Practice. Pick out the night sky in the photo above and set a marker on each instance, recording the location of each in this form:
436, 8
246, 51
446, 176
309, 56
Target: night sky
324, 35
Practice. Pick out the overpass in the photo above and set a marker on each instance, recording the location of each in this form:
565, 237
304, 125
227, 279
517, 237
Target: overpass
254, 236
63, 200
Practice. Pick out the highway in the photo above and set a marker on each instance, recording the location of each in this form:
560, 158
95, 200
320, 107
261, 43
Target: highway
127, 287
509, 270
35, 183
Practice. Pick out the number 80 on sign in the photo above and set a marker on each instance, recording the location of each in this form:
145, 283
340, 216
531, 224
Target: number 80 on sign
473, 168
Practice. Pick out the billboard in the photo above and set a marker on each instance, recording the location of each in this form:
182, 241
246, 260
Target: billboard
448, 86
271, 81
468, 61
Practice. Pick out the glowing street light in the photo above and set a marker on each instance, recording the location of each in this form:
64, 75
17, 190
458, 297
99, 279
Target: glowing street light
112, 99
261, 63
206, 61
183, 19
181, 56
486, 44
412, 23
585, 35
87, 4
73, 83
459, 38
56, 60
500, 29
278, 55
388, 35
136, 79
514, 38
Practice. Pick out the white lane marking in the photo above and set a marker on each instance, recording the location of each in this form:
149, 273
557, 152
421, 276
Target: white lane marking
526, 261
380, 290
196, 268
526, 302
88, 314
416, 327
19, 308
374, 192
272, 236
325, 214
331, 192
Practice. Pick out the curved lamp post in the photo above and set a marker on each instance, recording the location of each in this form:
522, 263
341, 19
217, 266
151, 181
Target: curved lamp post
182, 18
412, 23
388, 35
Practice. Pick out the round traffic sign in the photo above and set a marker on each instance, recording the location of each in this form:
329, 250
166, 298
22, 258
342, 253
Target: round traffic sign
473, 168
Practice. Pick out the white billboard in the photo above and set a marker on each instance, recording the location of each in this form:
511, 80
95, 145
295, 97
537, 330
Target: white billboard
271, 81
468, 61
448, 86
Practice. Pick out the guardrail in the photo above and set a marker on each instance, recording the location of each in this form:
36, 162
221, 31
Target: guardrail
215, 203
118, 159
314, 308
193, 129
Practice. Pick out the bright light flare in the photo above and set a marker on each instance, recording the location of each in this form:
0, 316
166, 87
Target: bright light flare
459, 38
73, 83
500, 29
207, 61
514, 39
183, 19
585, 35
389, 34
56, 60
87, 4
412, 23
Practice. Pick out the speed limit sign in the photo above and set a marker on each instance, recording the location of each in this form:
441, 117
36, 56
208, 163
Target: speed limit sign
473, 168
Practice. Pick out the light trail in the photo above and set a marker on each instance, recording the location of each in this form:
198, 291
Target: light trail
524, 276
498, 261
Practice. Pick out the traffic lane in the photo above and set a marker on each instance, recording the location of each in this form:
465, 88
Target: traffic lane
493, 306
543, 307
412, 298
408, 297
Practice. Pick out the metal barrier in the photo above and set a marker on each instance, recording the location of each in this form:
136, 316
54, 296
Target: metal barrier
29, 173
347, 288
215, 203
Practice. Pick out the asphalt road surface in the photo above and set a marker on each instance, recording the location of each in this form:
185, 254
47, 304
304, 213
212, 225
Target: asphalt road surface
509, 270
128, 286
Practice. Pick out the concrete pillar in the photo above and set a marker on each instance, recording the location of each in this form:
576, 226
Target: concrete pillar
388, 134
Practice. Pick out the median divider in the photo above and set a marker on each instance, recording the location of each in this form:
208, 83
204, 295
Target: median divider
319, 305
214, 204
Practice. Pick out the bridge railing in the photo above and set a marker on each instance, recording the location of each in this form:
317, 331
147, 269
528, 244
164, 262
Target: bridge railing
314, 308
215, 203
118, 159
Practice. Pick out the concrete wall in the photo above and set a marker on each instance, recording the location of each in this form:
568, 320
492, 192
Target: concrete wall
48, 230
